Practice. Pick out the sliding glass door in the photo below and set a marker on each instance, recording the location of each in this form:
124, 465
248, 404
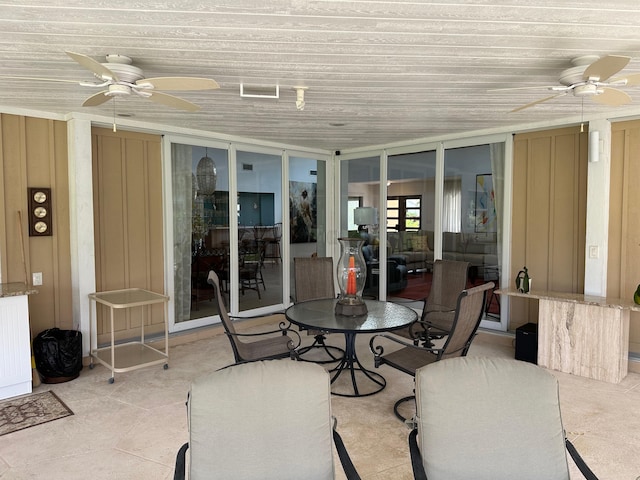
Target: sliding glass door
259, 212
410, 224
472, 214
199, 200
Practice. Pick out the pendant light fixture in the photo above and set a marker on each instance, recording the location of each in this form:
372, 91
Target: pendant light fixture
207, 175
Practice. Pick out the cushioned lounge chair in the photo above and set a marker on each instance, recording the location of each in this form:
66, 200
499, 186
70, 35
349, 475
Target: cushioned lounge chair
260, 421
489, 419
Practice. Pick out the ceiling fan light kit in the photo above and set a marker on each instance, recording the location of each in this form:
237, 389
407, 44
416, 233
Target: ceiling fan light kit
116, 90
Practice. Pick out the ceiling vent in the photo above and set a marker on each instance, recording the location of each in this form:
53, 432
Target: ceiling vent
259, 91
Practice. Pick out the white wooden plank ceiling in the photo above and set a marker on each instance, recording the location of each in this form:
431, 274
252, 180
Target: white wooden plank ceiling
376, 71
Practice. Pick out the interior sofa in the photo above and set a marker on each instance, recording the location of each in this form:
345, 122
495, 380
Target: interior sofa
415, 249
412, 249
396, 273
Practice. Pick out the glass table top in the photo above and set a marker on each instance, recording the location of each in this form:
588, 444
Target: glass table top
320, 314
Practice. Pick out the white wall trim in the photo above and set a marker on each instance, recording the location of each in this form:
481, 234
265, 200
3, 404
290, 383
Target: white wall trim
82, 245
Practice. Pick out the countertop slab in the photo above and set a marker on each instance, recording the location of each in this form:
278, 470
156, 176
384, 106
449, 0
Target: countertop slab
15, 289
573, 298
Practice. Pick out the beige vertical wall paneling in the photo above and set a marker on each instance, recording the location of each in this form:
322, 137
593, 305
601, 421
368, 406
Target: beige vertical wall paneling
129, 225
549, 214
623, 268
34, 154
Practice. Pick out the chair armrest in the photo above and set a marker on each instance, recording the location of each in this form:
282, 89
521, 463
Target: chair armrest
345, 460
378, 350
416, 457
179, 472
580, 463
284, 329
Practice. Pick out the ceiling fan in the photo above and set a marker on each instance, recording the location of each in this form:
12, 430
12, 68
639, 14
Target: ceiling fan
590, 77
119, 78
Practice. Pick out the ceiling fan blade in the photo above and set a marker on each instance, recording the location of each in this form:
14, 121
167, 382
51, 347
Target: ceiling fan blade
179, 83
633, 79
38, 79
94, 66
612, 97
546, 99
96, 99
172, 101
604, 67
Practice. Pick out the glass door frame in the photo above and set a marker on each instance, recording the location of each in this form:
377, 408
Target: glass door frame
167, 200
167, 196
440, 148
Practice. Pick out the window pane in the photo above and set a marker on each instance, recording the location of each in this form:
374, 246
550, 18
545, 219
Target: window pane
361, 178
411, 187
306, 174
470, 216
259, 210
200, 184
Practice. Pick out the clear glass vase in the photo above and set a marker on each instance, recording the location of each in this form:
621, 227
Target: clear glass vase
351, 272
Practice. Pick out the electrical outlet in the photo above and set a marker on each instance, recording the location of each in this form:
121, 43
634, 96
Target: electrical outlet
593, 251
37, 279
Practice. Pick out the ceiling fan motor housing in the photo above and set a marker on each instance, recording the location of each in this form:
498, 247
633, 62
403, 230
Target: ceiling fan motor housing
125, 73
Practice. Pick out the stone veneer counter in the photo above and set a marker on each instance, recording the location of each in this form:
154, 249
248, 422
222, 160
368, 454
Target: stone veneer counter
15, 339
15, 289
582, 334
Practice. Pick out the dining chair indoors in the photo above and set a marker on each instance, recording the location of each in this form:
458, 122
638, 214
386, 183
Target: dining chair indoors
274, 250
313, 278
467, 316
250, 271
260, 421
259, 346
489, 419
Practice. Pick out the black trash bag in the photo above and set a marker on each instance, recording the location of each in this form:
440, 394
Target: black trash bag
58, 354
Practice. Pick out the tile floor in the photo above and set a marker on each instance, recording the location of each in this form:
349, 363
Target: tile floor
133, 428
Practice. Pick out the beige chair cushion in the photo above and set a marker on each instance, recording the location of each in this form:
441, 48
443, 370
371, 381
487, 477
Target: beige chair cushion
489, 419
262, 420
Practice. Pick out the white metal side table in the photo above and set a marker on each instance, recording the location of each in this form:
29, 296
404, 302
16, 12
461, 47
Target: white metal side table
130, 355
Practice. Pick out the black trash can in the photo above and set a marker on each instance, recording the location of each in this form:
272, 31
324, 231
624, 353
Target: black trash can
527, 343
58, 354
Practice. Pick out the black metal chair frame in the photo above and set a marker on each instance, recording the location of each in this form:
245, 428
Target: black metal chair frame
235, 338
452, 347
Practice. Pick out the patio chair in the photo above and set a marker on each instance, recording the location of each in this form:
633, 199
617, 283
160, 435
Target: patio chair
261, 421
267, 346
449, 278
467, 316
313, 281
489, 418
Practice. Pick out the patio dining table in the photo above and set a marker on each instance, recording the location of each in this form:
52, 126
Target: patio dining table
381, 317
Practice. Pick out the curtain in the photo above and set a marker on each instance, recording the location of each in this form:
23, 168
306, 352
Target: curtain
183, 196
497, 173
452, 205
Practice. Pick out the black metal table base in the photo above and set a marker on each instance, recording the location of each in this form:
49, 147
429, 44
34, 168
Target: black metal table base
350, 365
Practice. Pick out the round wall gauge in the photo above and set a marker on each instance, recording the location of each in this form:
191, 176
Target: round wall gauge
40, 197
